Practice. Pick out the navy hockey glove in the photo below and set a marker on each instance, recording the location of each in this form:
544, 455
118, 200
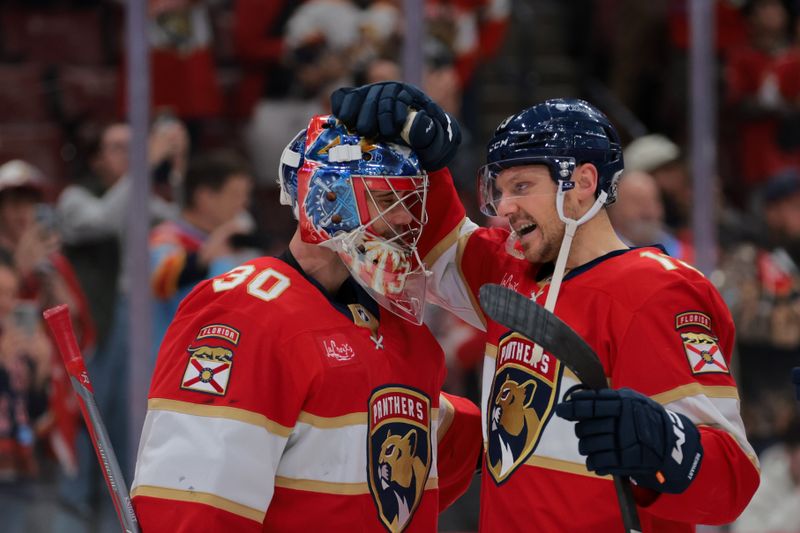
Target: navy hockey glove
626, 433
381, 110
796, 381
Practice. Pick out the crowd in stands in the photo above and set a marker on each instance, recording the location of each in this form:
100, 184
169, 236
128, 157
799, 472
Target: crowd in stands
233, 80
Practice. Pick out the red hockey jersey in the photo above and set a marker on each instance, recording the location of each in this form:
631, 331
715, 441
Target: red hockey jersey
275, 408
658, 326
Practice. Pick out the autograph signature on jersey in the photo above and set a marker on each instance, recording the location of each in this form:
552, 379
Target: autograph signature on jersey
338, 352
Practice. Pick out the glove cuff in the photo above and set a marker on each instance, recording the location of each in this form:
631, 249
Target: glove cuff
682, 456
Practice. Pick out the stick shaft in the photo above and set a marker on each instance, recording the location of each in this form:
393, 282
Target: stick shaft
61, 327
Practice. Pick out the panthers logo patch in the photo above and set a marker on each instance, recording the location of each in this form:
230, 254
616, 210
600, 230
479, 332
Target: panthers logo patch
520, 403
399, 452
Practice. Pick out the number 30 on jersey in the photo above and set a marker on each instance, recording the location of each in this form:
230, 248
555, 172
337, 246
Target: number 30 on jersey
266, 285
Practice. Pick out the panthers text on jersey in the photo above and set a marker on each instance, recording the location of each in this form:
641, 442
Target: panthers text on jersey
275, 408
658, 326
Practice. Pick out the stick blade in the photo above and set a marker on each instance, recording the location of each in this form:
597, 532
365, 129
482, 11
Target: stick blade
516, 312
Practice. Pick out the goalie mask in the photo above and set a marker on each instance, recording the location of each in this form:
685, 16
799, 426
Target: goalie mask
364, 200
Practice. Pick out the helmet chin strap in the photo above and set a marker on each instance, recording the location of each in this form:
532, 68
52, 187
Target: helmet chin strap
566, 244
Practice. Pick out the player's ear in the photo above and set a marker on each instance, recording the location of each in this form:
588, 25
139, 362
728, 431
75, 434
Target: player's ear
586, 181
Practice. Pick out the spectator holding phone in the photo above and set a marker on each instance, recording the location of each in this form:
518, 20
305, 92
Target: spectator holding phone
198, 244
28, 234
92, 218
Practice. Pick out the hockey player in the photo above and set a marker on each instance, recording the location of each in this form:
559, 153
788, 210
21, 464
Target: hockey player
671, 420
284, 397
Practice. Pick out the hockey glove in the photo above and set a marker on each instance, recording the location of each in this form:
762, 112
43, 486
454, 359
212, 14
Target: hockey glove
626, 433
399, 112
796, 381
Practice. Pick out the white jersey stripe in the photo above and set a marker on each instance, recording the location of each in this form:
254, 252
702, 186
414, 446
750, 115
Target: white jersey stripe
223, 457
340, 454
447, 287
719, 413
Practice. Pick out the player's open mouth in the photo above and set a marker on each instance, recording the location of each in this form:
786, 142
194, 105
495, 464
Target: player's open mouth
525, 229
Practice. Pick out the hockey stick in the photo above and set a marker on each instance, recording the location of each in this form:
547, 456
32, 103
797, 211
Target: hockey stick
60, 325
518, 313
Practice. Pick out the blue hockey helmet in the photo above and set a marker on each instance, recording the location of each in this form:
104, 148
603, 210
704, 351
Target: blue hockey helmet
560, 133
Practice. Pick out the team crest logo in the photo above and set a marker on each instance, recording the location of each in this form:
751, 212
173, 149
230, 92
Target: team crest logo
399, 452
521, 401
209, 367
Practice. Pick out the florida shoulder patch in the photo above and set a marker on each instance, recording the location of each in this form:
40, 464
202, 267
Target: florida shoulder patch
700, 345
210, 362
399, 452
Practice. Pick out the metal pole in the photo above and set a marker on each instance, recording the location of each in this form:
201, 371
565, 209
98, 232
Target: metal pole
413, 60
138, 227
703, 137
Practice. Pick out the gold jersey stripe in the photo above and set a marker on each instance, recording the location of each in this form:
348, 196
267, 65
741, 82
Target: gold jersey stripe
334, 422
562, 466
219, 411
491, 351
694, 389
200, 497
444, 244
462, 244
447, 418
323, 422
327, 487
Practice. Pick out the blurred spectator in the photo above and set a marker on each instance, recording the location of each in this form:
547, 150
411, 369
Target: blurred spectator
754, 93
184, 76
87, 217
318, 43
781, 210
638, 215
29, 234
796, 381
661, 158
760, 282
201, 243
25, 365
258, 35
775, 507
471, 31
96, 213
